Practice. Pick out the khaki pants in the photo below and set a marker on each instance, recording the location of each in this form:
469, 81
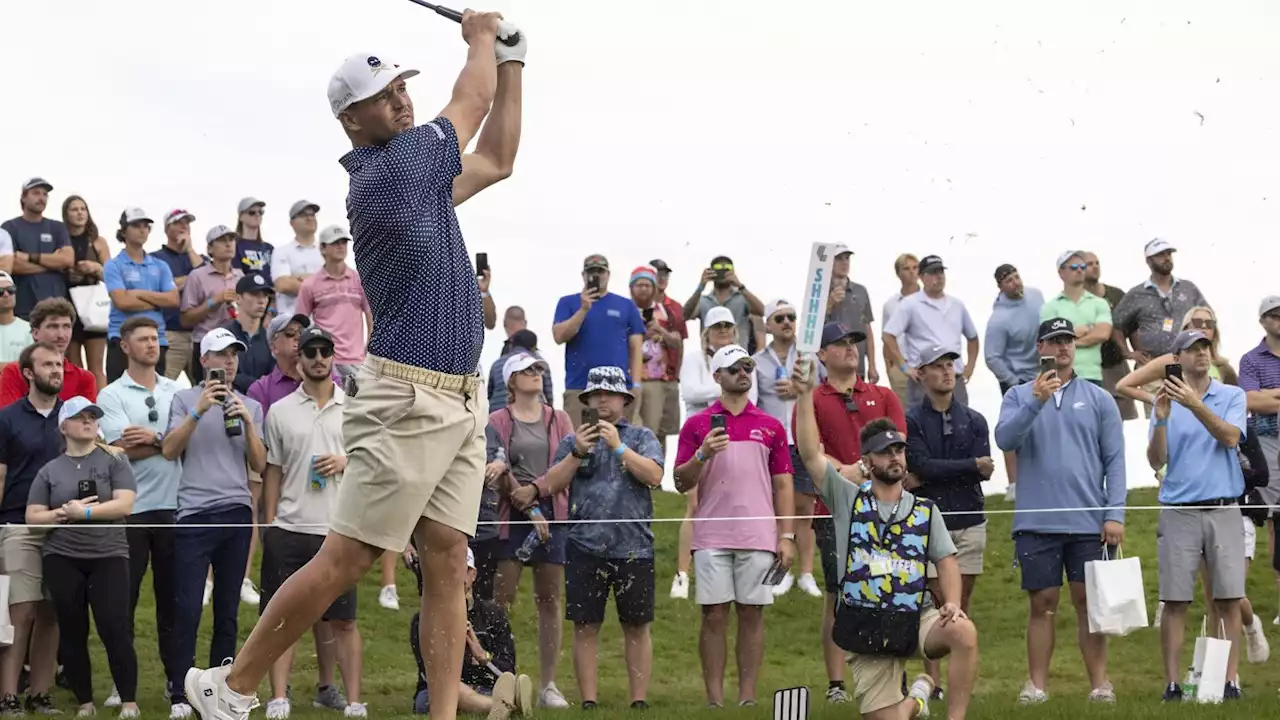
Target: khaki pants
660, 411
877, 680
900, 384
573, 407
1111, 376
179, 355
415, 448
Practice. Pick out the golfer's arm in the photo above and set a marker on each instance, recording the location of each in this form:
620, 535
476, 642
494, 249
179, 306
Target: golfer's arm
473, 93
495, 155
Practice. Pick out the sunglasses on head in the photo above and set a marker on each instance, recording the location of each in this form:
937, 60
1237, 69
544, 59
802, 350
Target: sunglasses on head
311, 352
1202, 324
725, 267
850, 405
152, 414
742, 366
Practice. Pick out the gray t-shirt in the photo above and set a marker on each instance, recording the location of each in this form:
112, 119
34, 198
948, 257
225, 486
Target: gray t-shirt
529, 450
838, 495
215, 469
58, 483
855, 311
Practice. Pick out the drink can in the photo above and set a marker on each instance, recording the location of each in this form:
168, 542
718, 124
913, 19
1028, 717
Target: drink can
318, 481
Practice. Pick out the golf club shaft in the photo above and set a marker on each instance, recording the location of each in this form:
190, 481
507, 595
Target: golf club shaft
456, 16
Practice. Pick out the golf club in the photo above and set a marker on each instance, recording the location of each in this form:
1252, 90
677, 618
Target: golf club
510, 41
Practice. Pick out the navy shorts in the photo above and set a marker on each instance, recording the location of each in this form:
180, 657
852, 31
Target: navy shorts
799, 475
1043, 557
824, 534
552, 551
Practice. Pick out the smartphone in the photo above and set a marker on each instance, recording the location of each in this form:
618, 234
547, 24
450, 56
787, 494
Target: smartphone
717, 421
648, 315
1173, 370
720, 274
218, 375
593, 282
590, 416
482, 263
86, 489
775, 573
1048, 364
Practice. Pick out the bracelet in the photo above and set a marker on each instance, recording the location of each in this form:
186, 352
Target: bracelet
903, 367
698, 454
212, 304
620, 450
1162, 423
88, 513
195, 415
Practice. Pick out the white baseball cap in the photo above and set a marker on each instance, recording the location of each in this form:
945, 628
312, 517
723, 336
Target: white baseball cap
1157, 246
248, 203
178, 214
133, 215
7, 278
718, 314
333, 234
219, 339
77, 405
775, 306
302, 206
360, 77
519, 363
1064, 257
217, 232
727, 356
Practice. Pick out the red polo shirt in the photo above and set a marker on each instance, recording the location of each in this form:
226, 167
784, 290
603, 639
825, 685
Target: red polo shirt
839, 428
75, 381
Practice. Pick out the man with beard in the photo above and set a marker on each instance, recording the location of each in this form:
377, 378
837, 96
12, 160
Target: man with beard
42, 249
51, 322
1149, 317
1070, 455
886, 537
181, 257
1114, 365
736, 455
305, 461
29, 438
662, 351
729, 292
927, 319
1011, 345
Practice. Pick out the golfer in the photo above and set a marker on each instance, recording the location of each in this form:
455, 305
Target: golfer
414, 421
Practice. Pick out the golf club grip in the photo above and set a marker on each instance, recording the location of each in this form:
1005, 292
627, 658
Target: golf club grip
456, 16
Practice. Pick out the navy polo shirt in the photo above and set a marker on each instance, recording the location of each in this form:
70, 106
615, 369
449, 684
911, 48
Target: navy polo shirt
28, 440
122, 273
180, 266
254, 362
413, 263
42, 238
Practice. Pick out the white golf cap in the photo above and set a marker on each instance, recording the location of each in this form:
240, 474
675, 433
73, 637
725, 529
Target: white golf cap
7, 278
219, 339
177, 214
360, 77
217, 232
775, 306
333, 234
1157, 246
727, 356
1269, 303
1064, 257
37, 182
519, 363
717, 315
247, 203
302, 206
133, 215
77, 405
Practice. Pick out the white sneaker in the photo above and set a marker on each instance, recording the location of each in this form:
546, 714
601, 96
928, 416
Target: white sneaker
838, 695
551, 697
1011, 494
113, 700
389, 598
504, 697
356, 710
809, 585
85, 712
129, 713
1106, 693
209, 695
1032, 695
680, 586
1257, 649
278, 709
784, 587
208, 592
179, 711
1159, 614
920, 691
248, 593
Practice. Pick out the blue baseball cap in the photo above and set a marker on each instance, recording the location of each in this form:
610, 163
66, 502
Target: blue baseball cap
1186, 339
837, 331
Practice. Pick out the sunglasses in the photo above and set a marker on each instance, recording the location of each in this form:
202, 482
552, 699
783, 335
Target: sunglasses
724, 326
255, 212
1202, 324
946, 423
1076, 266
742, 367
9, 291
311, 352
850, 405
152, 414
784, 317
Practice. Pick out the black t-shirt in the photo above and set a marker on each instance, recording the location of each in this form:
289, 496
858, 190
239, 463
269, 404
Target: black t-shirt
1111, 354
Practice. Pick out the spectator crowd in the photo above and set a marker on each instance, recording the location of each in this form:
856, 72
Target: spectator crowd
875, 436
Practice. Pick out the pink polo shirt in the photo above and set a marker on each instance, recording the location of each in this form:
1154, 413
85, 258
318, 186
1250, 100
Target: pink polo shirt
338, 305
738, 481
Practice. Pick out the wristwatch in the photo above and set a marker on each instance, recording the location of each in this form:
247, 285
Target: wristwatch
158, 439
789, 536
581, 456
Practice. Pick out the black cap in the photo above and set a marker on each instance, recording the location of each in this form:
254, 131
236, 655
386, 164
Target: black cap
253, 282
314, 334
1056, 327
721, 260
524, 339
936, 353
833, 332
883, 441
660, 265
1004, 271
931, 263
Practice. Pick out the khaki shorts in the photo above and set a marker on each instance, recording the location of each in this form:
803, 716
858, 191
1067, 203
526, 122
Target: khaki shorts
971, 543
877, 681
415, 448
179, 355
20, 555
660, 411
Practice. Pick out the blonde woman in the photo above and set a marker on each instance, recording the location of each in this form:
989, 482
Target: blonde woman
699, 389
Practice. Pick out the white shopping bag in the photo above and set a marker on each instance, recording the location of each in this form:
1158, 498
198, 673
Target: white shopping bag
1117, 603
6, 625
1209, 666
93, 306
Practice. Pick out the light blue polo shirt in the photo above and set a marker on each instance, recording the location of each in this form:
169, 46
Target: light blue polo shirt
1200, 467
124, 403
122, 273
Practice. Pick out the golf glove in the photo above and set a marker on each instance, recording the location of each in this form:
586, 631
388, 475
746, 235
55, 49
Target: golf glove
511, 53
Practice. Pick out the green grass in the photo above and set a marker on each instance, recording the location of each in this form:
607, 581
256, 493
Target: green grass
792, 655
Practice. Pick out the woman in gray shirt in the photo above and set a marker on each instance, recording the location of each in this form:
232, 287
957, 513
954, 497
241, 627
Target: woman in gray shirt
86, 493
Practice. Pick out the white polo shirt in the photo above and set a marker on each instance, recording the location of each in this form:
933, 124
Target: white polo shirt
294, 259
297, 430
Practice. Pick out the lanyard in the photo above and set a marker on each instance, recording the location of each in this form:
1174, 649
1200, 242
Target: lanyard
882, 528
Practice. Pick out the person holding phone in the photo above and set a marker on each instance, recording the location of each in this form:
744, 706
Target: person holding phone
1070, 446
738, 458
1196, 427
484, 278
85, 494
663, 351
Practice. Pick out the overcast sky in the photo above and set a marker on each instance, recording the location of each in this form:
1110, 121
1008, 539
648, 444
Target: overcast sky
984, 132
